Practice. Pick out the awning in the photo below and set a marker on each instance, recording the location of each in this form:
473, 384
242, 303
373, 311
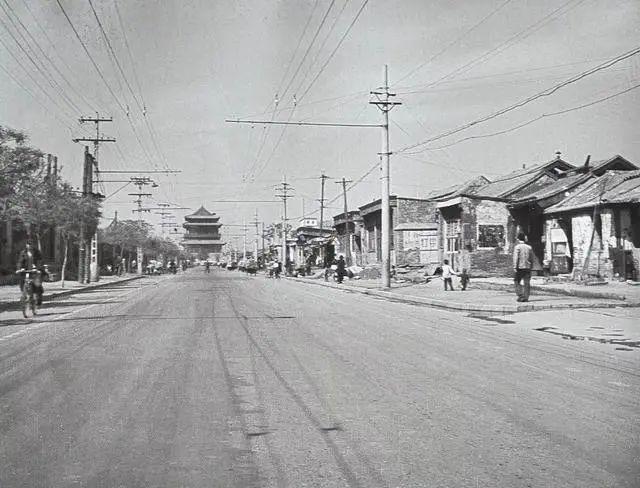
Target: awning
449, 203
416, 226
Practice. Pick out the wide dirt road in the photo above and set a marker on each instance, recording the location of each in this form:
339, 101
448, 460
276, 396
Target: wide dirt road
224, 380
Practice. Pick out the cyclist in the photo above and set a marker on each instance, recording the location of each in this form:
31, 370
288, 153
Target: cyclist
30, 258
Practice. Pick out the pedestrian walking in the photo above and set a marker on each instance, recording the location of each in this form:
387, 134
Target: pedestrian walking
464, 279
447, 273
341, 269
522, 264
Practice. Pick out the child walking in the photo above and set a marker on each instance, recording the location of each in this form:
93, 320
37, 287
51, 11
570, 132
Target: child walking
447, 273
464, 279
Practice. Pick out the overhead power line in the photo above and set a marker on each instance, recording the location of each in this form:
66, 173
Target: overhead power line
27, 49
342, 39
519, 36
319, 50
295, 51
93, 62
279, 122
333, 53
139, 103
540, 117
454, 42
306, 53
545, 93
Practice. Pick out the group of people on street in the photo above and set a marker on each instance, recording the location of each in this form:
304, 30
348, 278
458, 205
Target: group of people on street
522, 267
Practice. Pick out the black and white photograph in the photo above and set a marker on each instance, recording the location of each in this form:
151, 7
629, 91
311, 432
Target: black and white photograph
320, 243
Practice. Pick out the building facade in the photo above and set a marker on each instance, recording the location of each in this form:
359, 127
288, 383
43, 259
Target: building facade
202, 238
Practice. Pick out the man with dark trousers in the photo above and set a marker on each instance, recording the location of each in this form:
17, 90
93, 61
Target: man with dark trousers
522, 264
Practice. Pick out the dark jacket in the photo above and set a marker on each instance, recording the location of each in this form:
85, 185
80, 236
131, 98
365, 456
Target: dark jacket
28, 262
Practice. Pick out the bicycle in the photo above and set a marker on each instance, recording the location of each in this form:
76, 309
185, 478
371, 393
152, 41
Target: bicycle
28, 299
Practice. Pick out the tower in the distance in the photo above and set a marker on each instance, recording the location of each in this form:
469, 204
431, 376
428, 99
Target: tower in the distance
202, 239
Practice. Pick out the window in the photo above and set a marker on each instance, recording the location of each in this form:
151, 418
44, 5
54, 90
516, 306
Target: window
371, 240
429, 243
491, 236
452, 238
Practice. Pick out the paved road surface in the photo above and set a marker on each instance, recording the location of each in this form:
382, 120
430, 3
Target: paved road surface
226, 380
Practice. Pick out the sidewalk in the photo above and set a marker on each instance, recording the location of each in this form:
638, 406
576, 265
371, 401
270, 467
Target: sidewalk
487, 295
615, 290
620, 328
10, 295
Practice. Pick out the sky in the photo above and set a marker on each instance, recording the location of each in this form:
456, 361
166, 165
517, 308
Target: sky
180, 68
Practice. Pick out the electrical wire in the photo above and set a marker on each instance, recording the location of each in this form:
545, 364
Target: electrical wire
40, 67
306, 53
319, 50
63, 110
47, 110
93, 62
76, 92
342, 39
295, 51
519, 36
540, 117
141, 107
454, 42
544, 93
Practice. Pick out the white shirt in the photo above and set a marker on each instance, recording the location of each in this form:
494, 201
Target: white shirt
447, 271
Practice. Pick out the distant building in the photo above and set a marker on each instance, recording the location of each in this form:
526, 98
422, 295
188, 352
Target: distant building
413, 232
202, 239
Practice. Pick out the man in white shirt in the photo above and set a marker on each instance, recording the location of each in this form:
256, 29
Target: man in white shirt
522, 264
447, 273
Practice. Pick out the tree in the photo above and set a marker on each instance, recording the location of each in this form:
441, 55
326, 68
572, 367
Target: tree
68, 211
21, 177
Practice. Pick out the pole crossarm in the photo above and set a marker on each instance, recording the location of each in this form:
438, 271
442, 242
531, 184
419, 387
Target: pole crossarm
162, 171
94, 139
315, 124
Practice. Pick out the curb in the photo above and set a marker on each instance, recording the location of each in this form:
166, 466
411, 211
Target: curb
53, 295
552, 290
464, 307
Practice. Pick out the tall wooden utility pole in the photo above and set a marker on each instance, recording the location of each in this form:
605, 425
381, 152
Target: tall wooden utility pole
140, 182
93, 256
255, 247
323, 178
284, 188
87, 187
382, 101
347, 256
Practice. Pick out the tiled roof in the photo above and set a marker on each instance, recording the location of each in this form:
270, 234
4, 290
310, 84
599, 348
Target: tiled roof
202, 212
561, 185
457, 190
612, 187
510, 183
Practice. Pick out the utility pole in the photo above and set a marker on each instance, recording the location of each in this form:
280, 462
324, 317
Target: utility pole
344, 182
323, 178
382, 101
140, 181
244, 241
284, 188
94, 273
164, 215
256, 222
87, 179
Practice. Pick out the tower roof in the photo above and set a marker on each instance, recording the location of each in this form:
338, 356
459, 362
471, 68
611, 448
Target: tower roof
201, 212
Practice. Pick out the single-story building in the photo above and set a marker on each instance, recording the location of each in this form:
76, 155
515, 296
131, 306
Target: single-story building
597, 227
348, 232
478, 229
413, 232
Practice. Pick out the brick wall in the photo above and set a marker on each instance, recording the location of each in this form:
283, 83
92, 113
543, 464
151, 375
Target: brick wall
411, 211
